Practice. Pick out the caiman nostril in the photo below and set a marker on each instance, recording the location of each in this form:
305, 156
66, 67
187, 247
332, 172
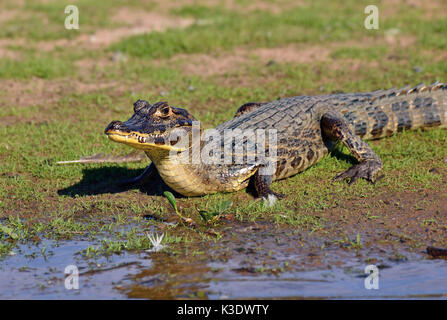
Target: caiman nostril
115, 126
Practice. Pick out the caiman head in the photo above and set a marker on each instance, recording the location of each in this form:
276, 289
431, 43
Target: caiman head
151, 128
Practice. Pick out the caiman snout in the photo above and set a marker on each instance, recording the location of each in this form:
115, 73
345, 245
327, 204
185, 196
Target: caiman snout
116, 126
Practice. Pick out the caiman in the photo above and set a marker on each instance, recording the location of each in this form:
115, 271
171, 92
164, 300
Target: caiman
307, 127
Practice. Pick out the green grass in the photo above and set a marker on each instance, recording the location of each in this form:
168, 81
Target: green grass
45, 20
40, 67
371, 54
226, 30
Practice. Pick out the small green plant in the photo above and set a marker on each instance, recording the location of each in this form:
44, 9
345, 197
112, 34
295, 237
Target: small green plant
357, 243
214, 213
173, 203
8, 231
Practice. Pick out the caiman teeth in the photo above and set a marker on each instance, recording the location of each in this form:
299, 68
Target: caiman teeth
141, 139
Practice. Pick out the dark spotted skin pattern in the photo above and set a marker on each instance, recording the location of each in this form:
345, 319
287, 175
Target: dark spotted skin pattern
306, 128
306, 123
248, 107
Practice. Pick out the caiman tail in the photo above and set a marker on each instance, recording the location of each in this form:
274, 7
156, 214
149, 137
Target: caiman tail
385, 113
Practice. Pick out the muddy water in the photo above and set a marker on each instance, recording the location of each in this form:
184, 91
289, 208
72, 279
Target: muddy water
31, 275
426, 279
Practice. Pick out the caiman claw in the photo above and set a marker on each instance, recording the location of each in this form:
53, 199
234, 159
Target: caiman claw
367, 170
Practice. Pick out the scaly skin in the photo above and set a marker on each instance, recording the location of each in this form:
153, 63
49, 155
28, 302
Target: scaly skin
306, 127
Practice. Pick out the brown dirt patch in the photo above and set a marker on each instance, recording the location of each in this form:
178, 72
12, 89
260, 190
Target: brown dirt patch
354, 65
44, 92
293, 54
234, 5
136, 22
220, 64
145, 21
228, 62
5, 52
88, 66
26, 93
394, 38
442, 56
9, 54
208, 65
13, 120
433, 9
275, 8
7, 15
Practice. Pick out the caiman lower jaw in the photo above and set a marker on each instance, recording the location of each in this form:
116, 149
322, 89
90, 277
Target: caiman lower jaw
139, 141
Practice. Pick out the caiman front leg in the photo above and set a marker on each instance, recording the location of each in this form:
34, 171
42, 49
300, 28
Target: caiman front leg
143, 178
335, 127
262, 180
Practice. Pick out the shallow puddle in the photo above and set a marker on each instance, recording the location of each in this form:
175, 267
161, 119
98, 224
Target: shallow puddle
406, 280
30, 274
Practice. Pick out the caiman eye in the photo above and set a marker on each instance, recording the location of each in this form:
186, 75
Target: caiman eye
164, 112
